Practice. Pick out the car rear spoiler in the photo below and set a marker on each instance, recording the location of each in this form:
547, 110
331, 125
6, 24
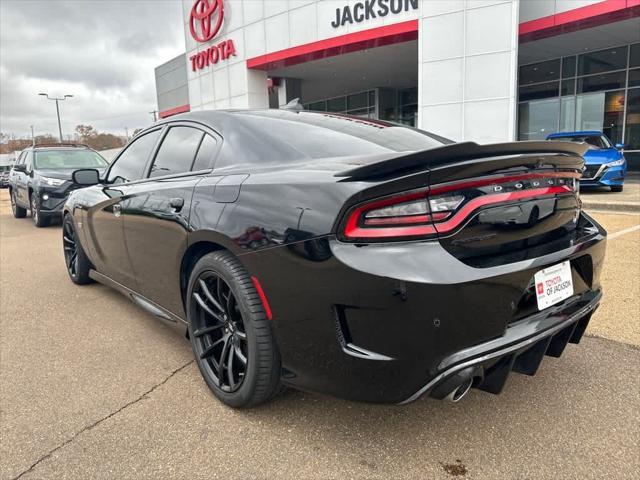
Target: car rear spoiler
458, 152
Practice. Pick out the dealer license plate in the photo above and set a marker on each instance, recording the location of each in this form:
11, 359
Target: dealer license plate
553, 284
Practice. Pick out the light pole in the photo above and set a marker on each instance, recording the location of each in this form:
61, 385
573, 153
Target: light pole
57, 109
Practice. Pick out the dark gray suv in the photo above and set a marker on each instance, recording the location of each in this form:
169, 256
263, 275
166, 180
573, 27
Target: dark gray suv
40, 180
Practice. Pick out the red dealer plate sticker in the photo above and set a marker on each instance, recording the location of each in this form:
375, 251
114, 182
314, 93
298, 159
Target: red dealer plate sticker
553, 284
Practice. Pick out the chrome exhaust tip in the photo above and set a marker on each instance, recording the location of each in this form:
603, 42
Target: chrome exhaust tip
460, 391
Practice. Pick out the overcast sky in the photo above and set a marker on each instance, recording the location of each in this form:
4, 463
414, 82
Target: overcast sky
103, 52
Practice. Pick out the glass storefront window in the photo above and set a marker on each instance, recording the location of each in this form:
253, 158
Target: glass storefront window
634, 78
539, 72
568, 87
409, 96
568, 67
567, 114
359, 100
603, 61
539, 91
632, 136
634, 56
408, 114
590, 95
607, 81
538, 119
361, 104
337, 104
602, 112
317, 106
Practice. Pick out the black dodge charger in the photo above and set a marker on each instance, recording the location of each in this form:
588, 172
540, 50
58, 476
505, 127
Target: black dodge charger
342, 255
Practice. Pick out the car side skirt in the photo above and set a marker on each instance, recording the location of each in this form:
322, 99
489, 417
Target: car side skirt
139, 299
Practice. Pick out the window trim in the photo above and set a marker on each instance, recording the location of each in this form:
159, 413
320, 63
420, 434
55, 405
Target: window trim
165, 127
115, 160
176, 124
183, 123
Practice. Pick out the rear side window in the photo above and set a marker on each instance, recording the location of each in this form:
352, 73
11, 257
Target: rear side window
205, 153
177, 152
129, 166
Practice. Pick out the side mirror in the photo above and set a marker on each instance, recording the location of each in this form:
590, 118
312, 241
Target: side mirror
619, 146
21, 167
87, 176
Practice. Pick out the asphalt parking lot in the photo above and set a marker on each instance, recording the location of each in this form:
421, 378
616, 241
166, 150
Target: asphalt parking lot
93, 387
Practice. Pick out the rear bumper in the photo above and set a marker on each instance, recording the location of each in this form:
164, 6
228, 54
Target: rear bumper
520, 349
389, 323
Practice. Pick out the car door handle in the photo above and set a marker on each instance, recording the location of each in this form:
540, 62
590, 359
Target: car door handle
176, 203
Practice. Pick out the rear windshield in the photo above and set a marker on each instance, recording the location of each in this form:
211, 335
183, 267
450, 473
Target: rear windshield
595, 142
284, 135
53, 159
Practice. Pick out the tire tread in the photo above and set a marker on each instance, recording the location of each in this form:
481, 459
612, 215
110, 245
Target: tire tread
267, 379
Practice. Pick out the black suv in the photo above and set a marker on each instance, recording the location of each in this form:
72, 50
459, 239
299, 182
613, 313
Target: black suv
40, 180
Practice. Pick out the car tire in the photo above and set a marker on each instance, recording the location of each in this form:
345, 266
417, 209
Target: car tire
38, 219
617, 188
77, 263
18, 212
232, 310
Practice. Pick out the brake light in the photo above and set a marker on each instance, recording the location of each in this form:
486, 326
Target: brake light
447, 206
397, 216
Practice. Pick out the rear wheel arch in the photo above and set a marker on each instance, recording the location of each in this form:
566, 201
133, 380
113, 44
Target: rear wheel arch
194, 253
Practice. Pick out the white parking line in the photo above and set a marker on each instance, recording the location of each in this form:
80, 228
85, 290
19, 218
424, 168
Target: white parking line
612, 212
623, 232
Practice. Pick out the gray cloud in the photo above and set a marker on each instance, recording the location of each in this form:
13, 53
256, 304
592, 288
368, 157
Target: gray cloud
101, 51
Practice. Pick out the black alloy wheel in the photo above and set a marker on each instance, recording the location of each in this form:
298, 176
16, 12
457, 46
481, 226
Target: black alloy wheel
220, 333
76, 261
18, 212
230, 334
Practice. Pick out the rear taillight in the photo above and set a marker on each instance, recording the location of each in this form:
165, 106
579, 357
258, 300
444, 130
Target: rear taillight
445, 204
397, 216
446, 207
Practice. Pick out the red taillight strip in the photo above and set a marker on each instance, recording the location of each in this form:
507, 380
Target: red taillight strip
462, 214
353, 230
465, 184
263, 297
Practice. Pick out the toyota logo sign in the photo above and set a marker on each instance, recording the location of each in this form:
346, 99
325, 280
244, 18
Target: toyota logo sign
205, 22
206, 19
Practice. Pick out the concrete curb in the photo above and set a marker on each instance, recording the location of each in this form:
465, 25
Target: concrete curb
612, 206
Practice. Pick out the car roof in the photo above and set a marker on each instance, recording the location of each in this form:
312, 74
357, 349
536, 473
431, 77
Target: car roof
580, 133
226, 121
59, 146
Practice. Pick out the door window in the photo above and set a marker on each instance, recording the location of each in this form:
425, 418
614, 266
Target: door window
177, 152
130, 165
28, 160
205, 153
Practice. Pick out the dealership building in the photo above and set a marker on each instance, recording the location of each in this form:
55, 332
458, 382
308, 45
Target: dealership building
481, 70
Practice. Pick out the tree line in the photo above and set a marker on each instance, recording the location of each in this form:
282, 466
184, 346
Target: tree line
85, 134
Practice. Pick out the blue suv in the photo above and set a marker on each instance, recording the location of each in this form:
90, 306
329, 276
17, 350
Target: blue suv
605, 164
